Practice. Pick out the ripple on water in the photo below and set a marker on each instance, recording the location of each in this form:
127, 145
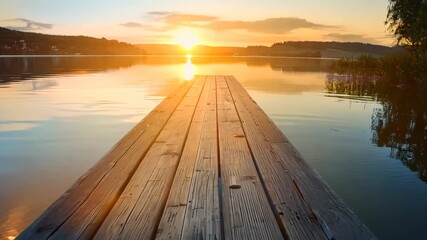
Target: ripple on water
16, 126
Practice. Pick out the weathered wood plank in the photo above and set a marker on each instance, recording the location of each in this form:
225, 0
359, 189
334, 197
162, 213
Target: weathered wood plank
337, 220
100, 187
139, 208
293, 213
202, 219
246, 210
194, 192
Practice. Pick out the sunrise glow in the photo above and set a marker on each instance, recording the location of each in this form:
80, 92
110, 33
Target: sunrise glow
187, 40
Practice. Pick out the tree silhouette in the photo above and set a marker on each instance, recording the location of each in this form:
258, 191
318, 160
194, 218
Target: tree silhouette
407, 19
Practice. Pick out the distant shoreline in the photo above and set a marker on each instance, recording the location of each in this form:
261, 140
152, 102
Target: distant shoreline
17, 43
162, 55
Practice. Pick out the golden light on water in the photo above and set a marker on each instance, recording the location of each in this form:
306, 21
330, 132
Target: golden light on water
189, 70
187, 40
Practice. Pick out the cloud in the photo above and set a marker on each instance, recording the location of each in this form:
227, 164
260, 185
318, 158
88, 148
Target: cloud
179, 18
23, 24
344, 37
172, 20
160, 13
270, 25
132, 25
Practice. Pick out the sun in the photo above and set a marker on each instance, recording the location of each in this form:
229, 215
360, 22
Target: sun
187, 40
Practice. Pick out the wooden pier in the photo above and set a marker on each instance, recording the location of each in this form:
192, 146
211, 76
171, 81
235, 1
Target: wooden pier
206, 163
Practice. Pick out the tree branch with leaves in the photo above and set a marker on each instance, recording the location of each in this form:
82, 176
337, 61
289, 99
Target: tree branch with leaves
407, 19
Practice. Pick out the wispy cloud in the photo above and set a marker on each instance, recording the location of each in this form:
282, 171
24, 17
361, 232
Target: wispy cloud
282, 25
180, 18
132, 25
350, 37
271, 25
23, 24
160, 13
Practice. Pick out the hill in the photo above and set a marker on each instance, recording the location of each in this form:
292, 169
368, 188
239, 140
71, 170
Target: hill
286, 49
334, 49
16, 42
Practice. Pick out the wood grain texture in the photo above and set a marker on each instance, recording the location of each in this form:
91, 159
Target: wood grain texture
202, 219
293, 213
192, 209
246, 210
100, 187
138, 210
328, 209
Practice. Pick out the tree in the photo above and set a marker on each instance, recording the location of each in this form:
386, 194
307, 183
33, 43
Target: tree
407, 19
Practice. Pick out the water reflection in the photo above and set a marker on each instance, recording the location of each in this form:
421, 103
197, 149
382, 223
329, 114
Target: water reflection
43, 84
56, 107
61, 113
23, 68
189, 69
400, 124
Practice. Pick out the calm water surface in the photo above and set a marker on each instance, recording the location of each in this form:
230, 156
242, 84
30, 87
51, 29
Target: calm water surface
59, 115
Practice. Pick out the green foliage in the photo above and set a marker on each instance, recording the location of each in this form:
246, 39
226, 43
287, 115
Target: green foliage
355, 47
363, 67
407, 19
391, 70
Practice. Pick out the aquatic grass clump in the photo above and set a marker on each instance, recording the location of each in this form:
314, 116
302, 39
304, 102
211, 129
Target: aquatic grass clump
403, 70
353, 76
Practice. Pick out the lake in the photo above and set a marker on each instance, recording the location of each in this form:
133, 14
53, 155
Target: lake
60, 115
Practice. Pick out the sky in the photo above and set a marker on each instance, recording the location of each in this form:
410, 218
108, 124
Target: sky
214, 22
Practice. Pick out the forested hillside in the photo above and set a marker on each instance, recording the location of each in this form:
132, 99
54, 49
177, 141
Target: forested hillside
15, 42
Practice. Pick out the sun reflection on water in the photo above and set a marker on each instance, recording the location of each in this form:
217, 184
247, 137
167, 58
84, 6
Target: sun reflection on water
189, 70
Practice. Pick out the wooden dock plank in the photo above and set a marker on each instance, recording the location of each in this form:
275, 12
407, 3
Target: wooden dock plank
337, 220
291, 210
138, 210
192, 209
246, 210
99, 188
202, 219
